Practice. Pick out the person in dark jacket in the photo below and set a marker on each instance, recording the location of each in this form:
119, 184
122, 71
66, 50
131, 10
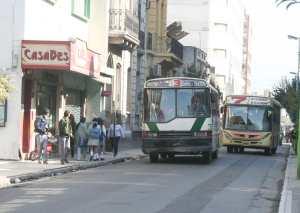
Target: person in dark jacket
64, 137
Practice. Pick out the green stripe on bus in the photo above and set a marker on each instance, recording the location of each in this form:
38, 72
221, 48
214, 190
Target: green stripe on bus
153, 127
198, 124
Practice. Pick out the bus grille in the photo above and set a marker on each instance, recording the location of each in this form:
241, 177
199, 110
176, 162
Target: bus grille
170, 134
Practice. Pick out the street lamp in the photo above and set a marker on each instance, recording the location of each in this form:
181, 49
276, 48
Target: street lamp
297, 90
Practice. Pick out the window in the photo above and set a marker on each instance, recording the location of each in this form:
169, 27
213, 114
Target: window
149, 45
81, 9
3, 113
220, 27
248, 118
160, 105
220, 53
192, 103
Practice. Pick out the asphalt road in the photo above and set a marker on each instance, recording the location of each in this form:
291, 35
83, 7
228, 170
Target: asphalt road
248, 182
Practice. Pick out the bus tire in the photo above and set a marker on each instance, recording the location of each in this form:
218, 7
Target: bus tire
241, 149
235, 149
215, 154
274, 150
171, 156
268, 151
207, 157
164, 156
229, 149
153, 157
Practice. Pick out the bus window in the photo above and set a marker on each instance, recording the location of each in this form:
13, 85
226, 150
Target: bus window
192, 102
159, 105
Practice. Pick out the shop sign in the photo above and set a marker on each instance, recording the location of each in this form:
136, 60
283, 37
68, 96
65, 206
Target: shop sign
106, 93
45, 54
84, 60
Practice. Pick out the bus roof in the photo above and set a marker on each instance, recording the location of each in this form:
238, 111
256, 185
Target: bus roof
178, 82
251, 100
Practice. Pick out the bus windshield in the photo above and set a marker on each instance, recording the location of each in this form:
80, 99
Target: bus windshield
249, 118
161, 104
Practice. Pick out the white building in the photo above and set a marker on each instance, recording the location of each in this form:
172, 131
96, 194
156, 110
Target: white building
123, 40
215, 26
55, 52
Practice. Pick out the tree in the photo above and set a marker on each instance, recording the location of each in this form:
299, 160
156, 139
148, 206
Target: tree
5, 87
287, 2
285, 93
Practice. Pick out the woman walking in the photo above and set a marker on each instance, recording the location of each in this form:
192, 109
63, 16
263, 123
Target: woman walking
94, 138
115, 133
81, 138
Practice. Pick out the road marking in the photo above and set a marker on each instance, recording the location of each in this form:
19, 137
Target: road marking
4, 170
151, 174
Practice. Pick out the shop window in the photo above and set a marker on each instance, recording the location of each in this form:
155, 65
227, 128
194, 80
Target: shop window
3, 113
81, 9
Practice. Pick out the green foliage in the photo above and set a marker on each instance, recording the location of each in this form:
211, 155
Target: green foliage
288, 3
5, 87
285, 93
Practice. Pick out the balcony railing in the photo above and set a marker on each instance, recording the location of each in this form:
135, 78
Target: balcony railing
175, 47
124, 22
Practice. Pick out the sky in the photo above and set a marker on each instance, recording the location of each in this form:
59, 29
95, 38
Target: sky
274, 56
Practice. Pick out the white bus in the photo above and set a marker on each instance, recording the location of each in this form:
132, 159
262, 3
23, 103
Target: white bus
181, 117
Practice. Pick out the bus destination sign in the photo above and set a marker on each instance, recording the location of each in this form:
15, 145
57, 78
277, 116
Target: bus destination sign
246, 100
176, 83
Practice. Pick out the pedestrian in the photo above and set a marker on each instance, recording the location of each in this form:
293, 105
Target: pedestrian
41, 128
115, 133
81, 136
72, 136
101, 147
64, 137
93, 142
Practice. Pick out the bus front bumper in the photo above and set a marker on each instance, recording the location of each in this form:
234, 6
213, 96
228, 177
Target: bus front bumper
184, 146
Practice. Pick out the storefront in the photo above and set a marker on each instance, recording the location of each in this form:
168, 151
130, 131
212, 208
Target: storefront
59, 76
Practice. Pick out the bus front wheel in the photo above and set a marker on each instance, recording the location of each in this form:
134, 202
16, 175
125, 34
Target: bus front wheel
215, 154
268, 151
207, 156
153, 157
229, 149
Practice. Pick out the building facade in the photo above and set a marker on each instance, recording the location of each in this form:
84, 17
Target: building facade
56, 58
123, 40
247, 56
216, 27
160, 54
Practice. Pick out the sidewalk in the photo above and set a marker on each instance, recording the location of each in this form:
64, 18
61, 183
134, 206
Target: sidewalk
290, 196
12, 172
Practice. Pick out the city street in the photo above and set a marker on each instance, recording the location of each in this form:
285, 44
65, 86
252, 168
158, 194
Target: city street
248, 182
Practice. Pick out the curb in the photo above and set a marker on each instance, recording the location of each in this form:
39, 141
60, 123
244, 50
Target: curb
11, 180
285, 204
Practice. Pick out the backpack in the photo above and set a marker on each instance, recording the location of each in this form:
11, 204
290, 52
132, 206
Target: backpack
40, 125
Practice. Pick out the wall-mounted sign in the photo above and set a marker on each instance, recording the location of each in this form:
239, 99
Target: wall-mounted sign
84, 60
106, 93
45, 54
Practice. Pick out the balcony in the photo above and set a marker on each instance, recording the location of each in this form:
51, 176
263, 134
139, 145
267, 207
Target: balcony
123, 28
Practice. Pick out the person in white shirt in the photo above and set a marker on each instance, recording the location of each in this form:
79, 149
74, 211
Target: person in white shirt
115, 133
